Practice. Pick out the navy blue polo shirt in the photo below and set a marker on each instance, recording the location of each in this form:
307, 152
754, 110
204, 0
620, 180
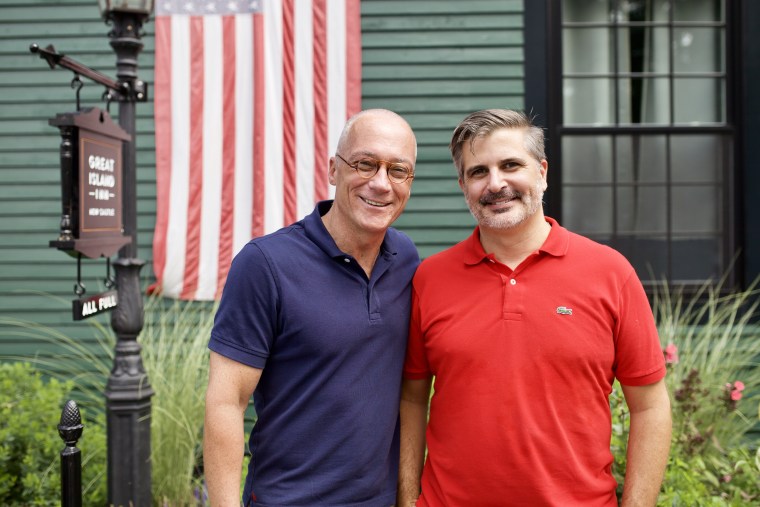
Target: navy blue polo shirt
331, 344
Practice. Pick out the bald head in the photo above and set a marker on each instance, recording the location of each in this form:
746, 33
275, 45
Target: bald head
371, 120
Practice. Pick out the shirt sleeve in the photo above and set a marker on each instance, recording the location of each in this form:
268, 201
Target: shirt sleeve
638, 354
416, 365
245, 324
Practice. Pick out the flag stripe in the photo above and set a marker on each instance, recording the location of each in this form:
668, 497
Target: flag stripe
163, 119
273, 121
195, 177
180, 163
208, 252
304, 108
227, 194
352, 66
337, 90
319, 66
288, 111
250, 99
259, 121
243, 188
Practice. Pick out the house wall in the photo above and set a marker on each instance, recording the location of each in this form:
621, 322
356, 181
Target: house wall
432, 61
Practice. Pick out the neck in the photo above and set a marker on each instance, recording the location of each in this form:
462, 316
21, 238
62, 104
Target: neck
514, 245
361, 245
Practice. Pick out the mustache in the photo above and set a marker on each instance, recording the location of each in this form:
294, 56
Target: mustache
501, 195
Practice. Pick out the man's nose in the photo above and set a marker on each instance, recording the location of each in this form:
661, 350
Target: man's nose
380, 180
496, 180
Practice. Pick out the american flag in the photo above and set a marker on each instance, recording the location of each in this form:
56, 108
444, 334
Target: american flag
250, 98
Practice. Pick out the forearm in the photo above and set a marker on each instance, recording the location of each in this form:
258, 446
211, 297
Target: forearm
413, 416
647, 455
230, 385
223, 445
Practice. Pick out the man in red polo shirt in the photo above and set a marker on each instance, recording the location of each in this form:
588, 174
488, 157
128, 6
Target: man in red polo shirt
525, 326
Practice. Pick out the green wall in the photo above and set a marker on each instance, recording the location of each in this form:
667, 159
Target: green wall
433, 61
36, 282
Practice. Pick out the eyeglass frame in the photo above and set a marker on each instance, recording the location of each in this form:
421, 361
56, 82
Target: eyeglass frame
388, 165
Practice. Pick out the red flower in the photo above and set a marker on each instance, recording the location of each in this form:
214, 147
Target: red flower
734, 392
671, 354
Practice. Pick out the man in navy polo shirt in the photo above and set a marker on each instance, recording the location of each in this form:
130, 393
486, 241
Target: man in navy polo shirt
313, 321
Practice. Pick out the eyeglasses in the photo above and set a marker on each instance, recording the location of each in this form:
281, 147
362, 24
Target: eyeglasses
368, 167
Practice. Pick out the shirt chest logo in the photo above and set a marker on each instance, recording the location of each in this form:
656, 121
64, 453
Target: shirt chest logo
563, 310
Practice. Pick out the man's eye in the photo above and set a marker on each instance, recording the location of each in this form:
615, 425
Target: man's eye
398, 171
366, 166
478, 172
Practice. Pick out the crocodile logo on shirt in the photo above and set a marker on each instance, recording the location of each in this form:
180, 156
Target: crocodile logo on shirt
563, 310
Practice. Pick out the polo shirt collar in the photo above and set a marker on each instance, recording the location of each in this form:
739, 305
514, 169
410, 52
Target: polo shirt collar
556, 244
317, 232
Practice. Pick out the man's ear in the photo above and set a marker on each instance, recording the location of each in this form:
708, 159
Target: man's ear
544, 170
331, 171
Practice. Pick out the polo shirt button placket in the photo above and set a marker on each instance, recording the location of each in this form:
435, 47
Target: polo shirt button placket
513, 281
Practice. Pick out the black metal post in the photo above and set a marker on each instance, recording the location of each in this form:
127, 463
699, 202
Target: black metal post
70, 429
128, 391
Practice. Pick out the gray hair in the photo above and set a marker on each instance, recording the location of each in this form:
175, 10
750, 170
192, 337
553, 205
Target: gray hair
482, 123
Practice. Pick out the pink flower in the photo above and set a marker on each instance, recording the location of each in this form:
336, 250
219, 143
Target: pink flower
736, 395
739, 385
671, 354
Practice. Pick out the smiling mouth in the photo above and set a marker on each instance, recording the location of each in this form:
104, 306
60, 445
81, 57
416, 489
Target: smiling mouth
499, 199
375, 204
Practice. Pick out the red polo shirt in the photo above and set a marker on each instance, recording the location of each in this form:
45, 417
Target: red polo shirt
524, 362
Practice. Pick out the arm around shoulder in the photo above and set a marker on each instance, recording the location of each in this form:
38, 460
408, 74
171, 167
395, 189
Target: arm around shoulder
230, 386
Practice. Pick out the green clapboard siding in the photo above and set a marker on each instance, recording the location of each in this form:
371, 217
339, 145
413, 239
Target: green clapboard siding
36, 282
433, 62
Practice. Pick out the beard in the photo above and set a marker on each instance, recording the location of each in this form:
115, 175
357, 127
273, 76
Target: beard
517, 213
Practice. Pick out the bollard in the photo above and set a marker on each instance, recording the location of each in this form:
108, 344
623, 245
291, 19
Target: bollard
70, 429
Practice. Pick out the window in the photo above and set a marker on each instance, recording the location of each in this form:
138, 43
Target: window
646, 145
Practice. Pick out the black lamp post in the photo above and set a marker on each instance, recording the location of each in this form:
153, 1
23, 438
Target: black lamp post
128, 391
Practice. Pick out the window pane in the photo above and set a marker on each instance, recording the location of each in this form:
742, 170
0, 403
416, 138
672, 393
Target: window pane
587, 159
587, 210
648, 255
644, 101
641, 159
643, 49
587, 50
642, 209
696, 259
696, 158
698, 49
696, 209
699, 100
588, 101
698, 10
586, 11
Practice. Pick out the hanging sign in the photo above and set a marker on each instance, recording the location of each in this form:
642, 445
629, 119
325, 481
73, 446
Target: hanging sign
91, 184
93, 305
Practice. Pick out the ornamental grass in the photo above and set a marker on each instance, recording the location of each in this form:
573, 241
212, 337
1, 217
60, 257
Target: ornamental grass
711, 345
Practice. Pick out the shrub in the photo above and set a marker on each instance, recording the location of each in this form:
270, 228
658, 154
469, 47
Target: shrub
30, 409
711, 350
174, 351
